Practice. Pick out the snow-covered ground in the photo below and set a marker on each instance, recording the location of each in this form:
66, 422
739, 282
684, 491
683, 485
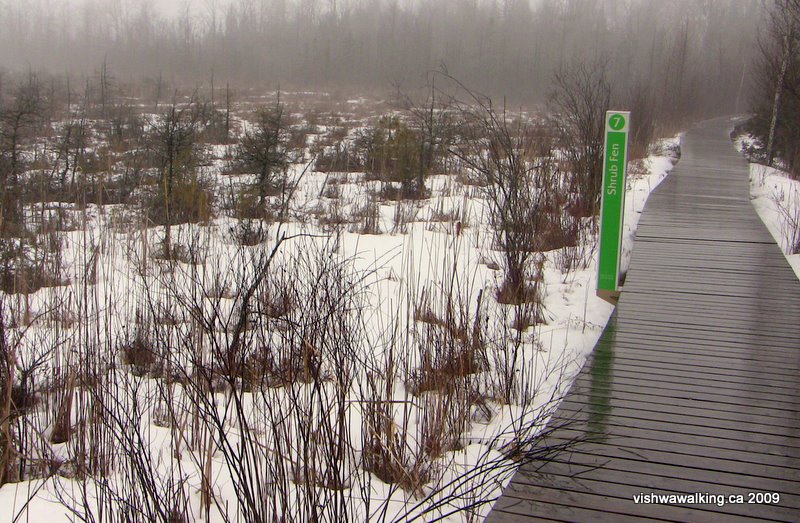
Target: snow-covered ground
776, 198
399, 283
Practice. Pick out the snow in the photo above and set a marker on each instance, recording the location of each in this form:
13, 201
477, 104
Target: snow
776, 198
394, 270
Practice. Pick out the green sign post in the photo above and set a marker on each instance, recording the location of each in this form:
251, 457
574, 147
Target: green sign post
612, 209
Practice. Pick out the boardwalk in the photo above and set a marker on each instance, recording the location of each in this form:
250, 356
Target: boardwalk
694, 386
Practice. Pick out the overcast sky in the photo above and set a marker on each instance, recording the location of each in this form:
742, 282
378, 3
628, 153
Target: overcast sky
163, 7
172, 7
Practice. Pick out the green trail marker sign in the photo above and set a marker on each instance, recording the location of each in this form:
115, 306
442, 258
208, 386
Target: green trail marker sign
612, 209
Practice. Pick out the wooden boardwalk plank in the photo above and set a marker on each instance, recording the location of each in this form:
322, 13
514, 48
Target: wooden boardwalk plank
694, 386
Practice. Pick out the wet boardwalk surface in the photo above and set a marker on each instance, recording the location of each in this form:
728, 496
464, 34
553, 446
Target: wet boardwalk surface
694, 386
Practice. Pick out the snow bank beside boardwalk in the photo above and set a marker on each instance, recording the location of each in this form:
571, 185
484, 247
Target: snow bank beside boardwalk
776, 198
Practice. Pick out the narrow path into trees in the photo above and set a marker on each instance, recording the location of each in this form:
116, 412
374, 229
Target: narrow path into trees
694, 386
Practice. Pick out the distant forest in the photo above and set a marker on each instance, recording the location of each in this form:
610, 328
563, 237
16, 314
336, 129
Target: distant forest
687, 54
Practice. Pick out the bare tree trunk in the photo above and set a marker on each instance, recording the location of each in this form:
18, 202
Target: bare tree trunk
776, 102
7, 367
741, 86
104, 85
227, 112
212, 90
158, 91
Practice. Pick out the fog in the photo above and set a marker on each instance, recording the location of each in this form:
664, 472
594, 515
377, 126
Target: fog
690, 50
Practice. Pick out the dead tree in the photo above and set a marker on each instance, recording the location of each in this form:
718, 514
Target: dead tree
16, 119
173, 142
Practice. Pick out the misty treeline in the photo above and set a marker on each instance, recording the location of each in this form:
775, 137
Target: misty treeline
776, 94
689, 56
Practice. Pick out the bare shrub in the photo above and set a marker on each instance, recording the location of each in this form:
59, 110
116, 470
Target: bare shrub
789, 208
332, 217
446, 417
62, 427
28, 264
516, 162
581, 96
366, 218
386, 449
139, 352
405, 212
332, 191
249, 232
456, 215
338, 158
